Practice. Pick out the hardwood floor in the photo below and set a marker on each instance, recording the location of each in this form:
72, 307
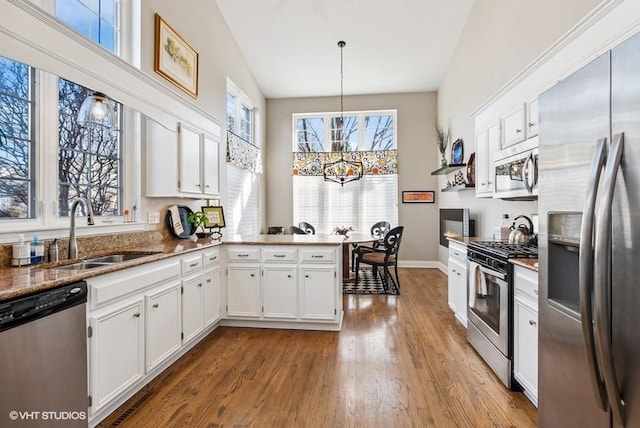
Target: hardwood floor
399, 361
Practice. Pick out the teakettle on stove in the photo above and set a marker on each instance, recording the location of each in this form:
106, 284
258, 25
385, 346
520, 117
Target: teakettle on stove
521, 234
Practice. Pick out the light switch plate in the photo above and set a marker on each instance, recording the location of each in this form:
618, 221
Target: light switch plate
153, 218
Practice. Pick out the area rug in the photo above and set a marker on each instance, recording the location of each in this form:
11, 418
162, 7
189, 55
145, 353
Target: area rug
368, 283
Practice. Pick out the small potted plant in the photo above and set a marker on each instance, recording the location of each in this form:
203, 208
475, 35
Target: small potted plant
197, 219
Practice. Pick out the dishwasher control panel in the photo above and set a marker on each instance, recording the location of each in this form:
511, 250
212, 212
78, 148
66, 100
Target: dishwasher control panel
33, 306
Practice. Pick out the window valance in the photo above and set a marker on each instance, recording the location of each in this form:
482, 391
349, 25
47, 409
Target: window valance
377, 162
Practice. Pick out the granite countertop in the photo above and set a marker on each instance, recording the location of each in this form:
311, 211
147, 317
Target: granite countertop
319, 239
528, 263
17, 281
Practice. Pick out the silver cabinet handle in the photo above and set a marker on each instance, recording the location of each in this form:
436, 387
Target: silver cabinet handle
602, 281
193, 265
306, 276
243, 255
279, 255
518, 131
313, 256
531, 124
198, 185
212, 258
155, 305
586, 268
532, 322
209, 280
199, 284
253, 275
136, 315
288, 276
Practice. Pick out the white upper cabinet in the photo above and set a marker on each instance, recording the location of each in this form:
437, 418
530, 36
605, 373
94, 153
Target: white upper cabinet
183, 163
514, 127
532, 118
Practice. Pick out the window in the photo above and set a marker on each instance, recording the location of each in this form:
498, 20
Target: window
89, 161
96, 19
242, 209
360, 203
17, 180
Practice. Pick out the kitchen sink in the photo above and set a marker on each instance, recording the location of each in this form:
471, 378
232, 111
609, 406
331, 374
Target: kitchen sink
102, 261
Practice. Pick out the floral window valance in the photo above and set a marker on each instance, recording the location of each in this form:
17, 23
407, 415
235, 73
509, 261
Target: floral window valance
377, 162
243, 154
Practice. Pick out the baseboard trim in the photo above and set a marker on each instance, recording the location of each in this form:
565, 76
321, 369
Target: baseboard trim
424, 264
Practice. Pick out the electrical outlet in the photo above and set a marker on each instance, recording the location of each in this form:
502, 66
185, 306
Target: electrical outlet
153, 218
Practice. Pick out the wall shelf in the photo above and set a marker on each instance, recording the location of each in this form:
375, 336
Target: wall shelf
458, 188
449, 168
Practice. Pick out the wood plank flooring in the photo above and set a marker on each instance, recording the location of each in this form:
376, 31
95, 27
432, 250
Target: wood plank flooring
399, 361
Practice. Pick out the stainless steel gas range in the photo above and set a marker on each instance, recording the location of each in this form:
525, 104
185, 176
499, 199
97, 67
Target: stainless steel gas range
490, 309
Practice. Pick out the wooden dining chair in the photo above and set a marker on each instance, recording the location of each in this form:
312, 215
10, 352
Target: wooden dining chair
295, 230
383, 256
308, 228
378, 231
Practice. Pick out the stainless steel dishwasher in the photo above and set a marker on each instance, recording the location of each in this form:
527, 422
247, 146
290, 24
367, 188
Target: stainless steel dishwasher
43, 359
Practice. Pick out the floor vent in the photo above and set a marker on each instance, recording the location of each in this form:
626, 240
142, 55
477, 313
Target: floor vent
135, 406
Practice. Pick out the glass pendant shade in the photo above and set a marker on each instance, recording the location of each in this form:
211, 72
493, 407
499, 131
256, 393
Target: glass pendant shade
96, 110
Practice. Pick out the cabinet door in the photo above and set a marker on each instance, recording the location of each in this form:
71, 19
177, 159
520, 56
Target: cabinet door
280, 296
162, 325
514, 129
461, 293
532, 118
211, 297
190, 178
482, 163
452, 289
318, 293
161, 150
117, 352
192, 316
525, 347
243, 291
210, 166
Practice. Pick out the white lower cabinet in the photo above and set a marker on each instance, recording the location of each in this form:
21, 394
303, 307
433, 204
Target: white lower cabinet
192, 314
163, 314
280, 292
243, 291
525, 320
457, 281
317, 296
211, 297
116, 348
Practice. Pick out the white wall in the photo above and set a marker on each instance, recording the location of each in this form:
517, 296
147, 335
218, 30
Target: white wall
416, 159
500, 38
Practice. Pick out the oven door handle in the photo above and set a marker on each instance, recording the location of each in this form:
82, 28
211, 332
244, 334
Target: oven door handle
585, 279
486, 270
602, 281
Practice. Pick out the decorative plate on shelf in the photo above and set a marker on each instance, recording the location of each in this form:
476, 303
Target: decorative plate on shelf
457, 152
471, 169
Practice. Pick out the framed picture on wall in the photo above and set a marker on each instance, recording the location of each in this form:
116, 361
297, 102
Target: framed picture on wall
418, 197
214, 217
175, 59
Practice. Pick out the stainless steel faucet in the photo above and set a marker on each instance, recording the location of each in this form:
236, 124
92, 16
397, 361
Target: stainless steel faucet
73, 244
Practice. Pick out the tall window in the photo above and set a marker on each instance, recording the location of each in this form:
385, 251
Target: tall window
242, 210
17, 179
89, 161
96, 19
369, 136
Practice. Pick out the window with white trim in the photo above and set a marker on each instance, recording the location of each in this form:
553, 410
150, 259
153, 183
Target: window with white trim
99, 20
242, 205
360, 203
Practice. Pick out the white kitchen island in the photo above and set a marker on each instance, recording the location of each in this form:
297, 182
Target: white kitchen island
283, 281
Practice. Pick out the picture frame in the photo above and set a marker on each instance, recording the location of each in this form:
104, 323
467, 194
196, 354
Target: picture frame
457, 152
214, 217
174, 58
418, 197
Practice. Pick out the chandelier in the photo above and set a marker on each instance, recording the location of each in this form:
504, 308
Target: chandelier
342, 171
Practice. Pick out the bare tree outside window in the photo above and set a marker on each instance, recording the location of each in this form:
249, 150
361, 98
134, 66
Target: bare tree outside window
16, 140
310, 134
89, 159
378, 132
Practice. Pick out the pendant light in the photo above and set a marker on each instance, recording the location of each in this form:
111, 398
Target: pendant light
342, 171
96, 109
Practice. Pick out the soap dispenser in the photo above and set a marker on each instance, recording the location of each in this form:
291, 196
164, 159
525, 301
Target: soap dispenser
53, 251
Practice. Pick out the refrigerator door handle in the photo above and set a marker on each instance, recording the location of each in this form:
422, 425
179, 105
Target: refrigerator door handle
586, 269
602, 281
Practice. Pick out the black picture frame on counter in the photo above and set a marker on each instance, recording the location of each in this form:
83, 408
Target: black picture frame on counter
457, 152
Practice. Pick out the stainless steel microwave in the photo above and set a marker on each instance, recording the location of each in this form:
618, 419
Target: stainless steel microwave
516, 176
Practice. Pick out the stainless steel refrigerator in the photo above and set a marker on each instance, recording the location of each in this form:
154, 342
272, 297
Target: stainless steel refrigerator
589, 245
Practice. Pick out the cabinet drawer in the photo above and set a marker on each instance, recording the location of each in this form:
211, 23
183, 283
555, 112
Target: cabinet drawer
317, 256
191, 264
211, 257
243, 254
279, 255
526, 281
458, 252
